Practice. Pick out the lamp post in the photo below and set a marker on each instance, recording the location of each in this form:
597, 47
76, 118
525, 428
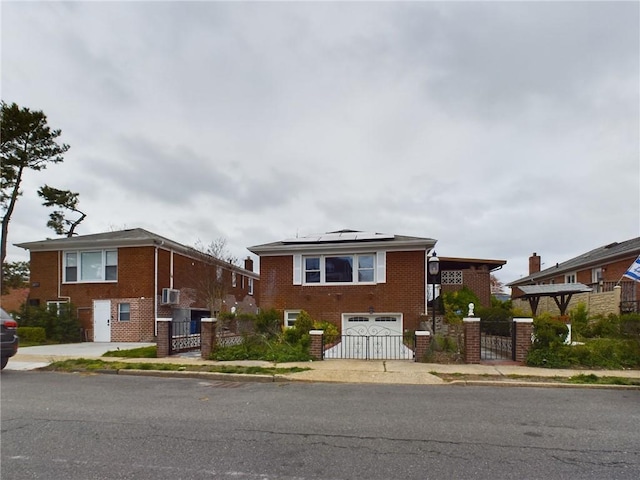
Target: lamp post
434, 269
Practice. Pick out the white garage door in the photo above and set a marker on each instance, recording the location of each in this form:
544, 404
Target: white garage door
371, 336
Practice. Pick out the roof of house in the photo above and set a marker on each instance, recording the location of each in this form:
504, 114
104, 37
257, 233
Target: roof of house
593, 258
134, 237
345, 240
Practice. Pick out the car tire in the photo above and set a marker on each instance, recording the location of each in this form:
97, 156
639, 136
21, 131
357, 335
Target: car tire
5, 360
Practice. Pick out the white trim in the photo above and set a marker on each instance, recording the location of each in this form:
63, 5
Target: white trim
523, 320
470, 320
297, 269
316, 332
381, 266
422, 333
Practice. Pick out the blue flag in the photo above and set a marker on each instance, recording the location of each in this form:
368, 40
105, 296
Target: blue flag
634, 270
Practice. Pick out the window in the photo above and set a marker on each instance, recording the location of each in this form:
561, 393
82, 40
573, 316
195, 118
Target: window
234, 279
124, 312
218, 273
340, 269
250, 286
58, 307
597, 274
570, 278
290, 317
91, 266
365, 268
312, 270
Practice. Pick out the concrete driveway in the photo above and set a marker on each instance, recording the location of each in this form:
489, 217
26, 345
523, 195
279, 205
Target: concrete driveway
29, 358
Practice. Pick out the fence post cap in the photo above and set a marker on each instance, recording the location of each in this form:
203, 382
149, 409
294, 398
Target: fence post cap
523, 320
163, 319
316, 332
471, 319
209, 320
423, 333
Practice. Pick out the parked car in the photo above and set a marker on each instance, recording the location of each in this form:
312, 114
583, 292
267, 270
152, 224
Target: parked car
8, 337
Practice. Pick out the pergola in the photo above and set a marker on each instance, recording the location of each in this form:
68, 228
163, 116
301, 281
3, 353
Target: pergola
561, 294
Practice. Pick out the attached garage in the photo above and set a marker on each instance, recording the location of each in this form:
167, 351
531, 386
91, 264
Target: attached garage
371, 336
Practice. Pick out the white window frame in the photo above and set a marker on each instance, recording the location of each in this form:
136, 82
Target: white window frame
58, 304
570, 277
250, 286
290, 317
234, 279
121, 311
597, 275
105, 255
355, 263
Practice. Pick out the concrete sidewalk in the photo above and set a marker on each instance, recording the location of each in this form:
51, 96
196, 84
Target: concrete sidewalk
342, 371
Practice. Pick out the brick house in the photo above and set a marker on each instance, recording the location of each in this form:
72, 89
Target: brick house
120, 282
351, 278
600, 269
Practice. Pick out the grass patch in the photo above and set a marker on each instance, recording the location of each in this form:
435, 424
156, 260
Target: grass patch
592, 379
141, 352
88, 365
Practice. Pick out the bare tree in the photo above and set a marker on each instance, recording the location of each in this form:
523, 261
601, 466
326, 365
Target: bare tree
212, 284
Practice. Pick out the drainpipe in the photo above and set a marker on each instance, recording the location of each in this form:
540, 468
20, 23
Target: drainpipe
68, 299
155, 292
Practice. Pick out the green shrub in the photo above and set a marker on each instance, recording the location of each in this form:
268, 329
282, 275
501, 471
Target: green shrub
304, 323
32, 335
456, 304
268, 322
630, 325
548, 332
60, 325
597, 353
579, 319
260, 348
331, 332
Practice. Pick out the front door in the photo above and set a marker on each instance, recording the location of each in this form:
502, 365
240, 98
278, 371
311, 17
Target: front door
102, 320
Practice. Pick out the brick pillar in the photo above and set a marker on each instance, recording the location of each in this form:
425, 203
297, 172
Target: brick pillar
316, 350
164, 334
522, 338
207, 337
423, 341
472, 340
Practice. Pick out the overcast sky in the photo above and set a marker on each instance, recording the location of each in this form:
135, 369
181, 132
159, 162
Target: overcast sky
499, 128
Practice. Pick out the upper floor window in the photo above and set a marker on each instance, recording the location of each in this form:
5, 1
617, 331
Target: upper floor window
250, 286
234, 279
570, 278
358, 268
597, 274
91, 266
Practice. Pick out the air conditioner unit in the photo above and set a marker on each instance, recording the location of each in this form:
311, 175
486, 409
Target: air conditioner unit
170, 296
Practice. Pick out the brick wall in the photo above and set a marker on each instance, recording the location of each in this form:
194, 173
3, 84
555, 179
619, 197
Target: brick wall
136, 285
403, 292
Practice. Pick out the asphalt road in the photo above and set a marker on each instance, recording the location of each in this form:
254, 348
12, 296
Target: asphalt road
73, 426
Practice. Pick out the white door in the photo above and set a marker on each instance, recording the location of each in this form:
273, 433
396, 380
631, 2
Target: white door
102, 320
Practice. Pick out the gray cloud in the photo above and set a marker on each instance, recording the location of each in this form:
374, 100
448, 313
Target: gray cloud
498, 128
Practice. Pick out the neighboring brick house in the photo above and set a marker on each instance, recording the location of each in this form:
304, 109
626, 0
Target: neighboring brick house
120, 282
353, 278
601, 269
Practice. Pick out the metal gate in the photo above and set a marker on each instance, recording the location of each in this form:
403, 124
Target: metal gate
372, 347
184, 335
497, 340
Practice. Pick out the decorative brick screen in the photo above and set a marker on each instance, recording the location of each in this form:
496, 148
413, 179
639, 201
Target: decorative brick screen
452, 277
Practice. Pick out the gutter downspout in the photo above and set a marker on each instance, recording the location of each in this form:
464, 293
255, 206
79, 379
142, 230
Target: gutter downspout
155, 293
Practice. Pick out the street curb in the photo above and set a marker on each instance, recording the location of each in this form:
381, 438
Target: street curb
497, 383
227, 377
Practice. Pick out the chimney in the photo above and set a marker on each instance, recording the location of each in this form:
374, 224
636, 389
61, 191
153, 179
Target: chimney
534, 263
248, 264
